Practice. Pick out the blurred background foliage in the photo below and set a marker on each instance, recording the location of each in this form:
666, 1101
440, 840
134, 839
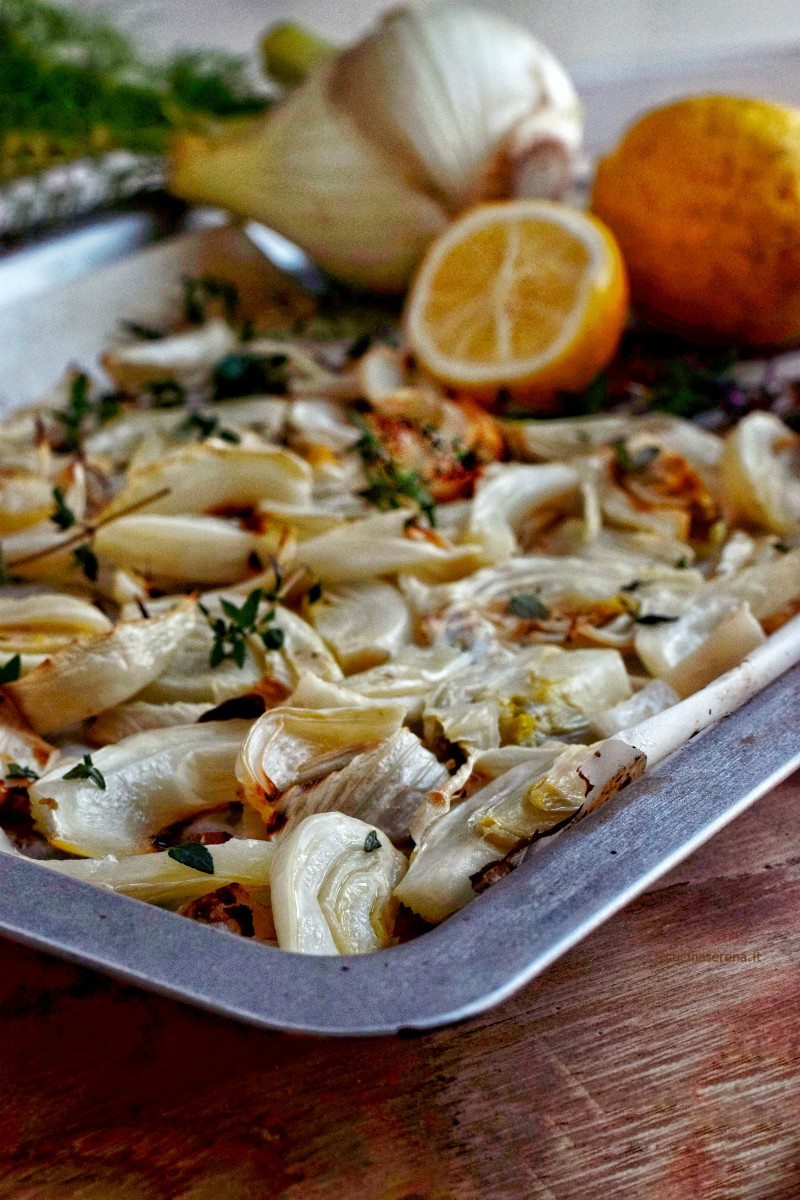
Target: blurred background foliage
72, 84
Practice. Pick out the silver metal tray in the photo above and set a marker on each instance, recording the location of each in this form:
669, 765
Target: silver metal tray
53, 312
563, 890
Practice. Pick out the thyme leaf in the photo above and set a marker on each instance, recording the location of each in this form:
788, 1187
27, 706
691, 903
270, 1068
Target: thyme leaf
371, 842
87, 770
108, 406
250, 375
633, 464
593, 399
15, 771
528, 608
77, 409
194, 855
62, 515
11, 670
145, 333
207, 427
199, 294
85, 558
166, 394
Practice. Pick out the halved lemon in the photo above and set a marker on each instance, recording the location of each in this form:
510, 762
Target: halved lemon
526, 295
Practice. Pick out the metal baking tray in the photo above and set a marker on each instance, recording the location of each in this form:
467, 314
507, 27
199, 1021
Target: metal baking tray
53, 313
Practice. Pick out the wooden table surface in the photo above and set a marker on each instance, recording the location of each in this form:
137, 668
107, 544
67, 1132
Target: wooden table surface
632, 1068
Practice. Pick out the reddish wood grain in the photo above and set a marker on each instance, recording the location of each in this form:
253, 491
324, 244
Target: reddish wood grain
615, 1075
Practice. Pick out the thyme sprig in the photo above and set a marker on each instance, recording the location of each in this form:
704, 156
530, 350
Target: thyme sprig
79, 407
230, 637
388, 484
86, 531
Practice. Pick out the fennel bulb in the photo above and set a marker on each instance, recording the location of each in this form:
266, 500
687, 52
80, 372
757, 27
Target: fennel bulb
382, 145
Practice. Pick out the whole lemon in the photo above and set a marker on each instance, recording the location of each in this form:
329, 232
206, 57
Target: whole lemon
704, 198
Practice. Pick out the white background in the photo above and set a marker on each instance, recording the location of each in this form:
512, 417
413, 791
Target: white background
600, 35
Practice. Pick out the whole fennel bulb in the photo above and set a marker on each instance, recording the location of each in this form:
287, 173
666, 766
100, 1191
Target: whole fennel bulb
382, 145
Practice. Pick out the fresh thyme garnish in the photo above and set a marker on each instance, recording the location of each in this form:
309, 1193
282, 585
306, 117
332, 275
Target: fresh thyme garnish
15, 771
194, 855
166, 394
686, 390
660, 373
230, 637
682, 563
388, 485
73, 84
781, 547
592, 399
632, 464
87, 770
654, 619
371, 842
199, 293
207, 427
145, 333
360, 345
633, 586
528, 608
85, 558
467, 459
108, 406
62, 515
78, 408
250, 375
11, 670
87, 530
314, 593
